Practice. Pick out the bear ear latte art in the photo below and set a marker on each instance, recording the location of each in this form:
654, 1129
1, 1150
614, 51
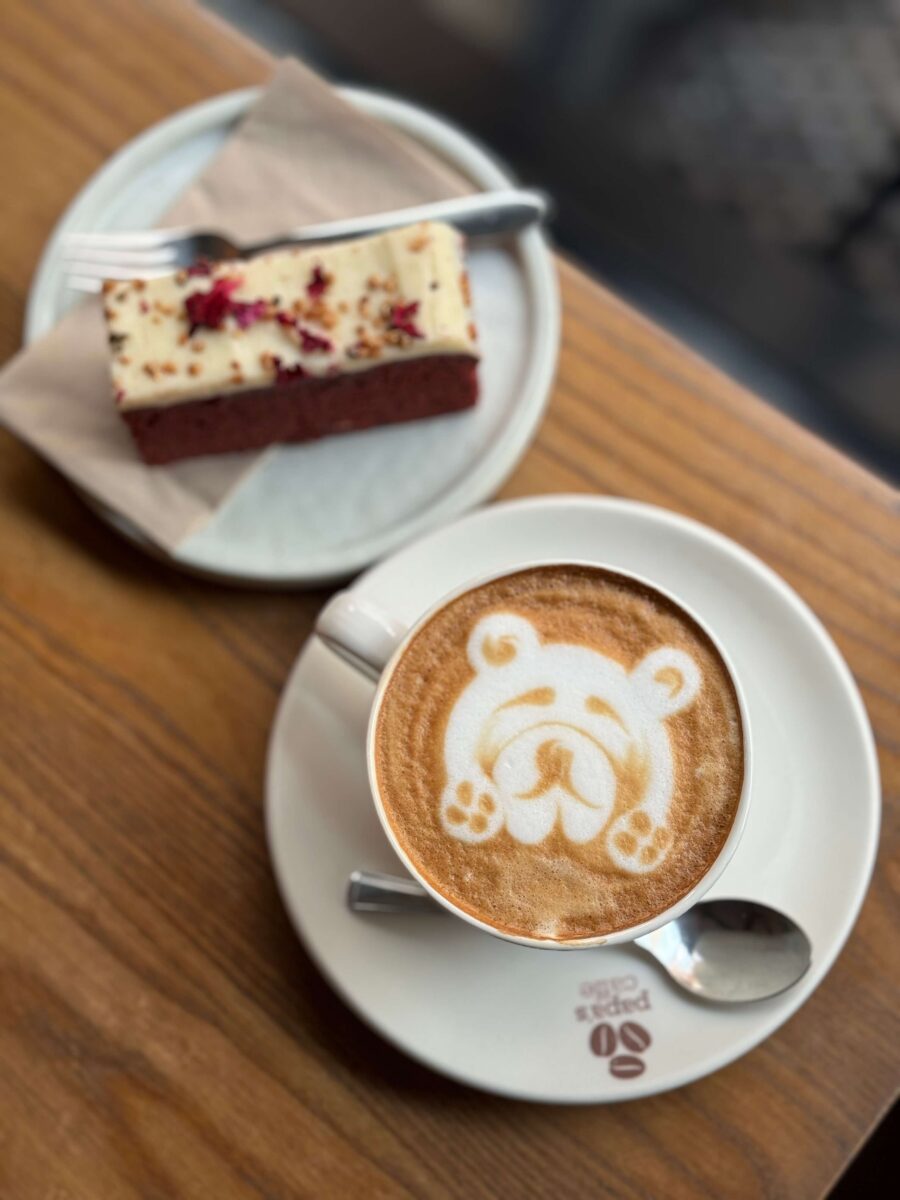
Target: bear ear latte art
560, 753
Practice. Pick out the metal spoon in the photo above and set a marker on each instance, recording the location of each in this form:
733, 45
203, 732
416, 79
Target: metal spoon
730, 951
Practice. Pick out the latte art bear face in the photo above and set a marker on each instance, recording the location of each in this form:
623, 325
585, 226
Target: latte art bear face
551, 735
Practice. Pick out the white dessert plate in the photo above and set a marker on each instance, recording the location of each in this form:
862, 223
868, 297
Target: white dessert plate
315, 513
518, 1021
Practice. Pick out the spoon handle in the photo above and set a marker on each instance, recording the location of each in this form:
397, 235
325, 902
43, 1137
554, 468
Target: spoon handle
373, 891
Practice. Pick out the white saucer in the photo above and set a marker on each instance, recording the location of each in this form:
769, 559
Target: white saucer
518, 1021
315, 513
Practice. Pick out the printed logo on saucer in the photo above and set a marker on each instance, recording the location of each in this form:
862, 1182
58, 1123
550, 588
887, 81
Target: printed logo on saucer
615, 1037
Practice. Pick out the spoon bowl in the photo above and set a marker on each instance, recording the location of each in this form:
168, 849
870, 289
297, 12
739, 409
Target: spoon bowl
731, 951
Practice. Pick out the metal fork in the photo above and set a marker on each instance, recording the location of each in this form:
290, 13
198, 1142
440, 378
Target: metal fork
90, 258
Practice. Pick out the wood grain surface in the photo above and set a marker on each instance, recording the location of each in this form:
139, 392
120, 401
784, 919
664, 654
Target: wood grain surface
162, 1032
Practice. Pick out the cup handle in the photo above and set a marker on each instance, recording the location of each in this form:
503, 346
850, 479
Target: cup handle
359, 632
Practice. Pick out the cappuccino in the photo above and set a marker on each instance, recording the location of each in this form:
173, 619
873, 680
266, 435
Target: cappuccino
560, 752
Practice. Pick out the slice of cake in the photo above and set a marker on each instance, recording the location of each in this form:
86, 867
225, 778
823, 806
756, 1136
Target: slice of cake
294, 345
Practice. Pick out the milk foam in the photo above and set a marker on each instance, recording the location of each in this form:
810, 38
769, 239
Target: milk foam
557, 735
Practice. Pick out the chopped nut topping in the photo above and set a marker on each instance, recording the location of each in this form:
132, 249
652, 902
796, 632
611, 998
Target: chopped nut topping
169, 368
342, 306
198, 347
465, 288
390, 284
418, 243
109, 314
320, 313
117, 340
124, 360
181, 277
139, 284
182, 340
150, 369
366, 345
194, 368
362, 306
121, 297
473, 332
108, 286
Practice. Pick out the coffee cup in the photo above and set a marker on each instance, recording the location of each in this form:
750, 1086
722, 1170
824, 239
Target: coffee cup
558, 753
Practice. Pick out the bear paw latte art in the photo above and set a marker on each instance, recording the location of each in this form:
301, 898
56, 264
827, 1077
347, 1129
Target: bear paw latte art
559, 752
559, 734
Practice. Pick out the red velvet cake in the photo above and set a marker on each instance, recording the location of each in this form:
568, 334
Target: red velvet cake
294, 345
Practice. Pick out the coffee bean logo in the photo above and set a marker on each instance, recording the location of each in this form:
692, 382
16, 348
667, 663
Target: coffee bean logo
634, 1037
627, 1066
603, 1040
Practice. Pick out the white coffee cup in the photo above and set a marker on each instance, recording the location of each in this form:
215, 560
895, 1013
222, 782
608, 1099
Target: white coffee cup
373, 641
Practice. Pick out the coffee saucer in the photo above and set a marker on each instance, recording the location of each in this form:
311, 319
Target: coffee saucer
315, 513
527, 1023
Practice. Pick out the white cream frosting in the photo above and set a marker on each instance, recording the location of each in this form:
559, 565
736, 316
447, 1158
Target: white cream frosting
155, 363
545, 734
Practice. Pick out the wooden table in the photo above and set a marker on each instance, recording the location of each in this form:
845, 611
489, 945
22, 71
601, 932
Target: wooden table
162, 1032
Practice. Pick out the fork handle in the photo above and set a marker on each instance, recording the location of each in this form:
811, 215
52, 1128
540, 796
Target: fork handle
478, 215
